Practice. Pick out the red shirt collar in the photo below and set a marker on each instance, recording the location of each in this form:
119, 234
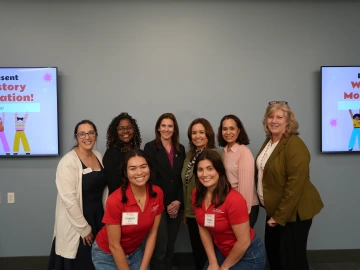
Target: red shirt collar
131, 199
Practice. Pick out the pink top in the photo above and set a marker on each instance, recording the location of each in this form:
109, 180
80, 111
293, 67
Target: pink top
240, 170
170, 156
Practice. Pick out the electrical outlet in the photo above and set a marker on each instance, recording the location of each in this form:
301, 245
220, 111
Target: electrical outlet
11, 197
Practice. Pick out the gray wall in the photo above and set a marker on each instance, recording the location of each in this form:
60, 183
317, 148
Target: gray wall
192, 58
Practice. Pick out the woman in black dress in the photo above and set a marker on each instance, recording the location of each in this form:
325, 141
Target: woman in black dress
122, 135
81, 185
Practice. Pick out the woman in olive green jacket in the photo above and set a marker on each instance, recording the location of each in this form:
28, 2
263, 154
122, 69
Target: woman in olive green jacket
201, 136
285, 191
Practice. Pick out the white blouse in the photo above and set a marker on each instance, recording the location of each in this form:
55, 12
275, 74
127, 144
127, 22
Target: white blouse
260, 164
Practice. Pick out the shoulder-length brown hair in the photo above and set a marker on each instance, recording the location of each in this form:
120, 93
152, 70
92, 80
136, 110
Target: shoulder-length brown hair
223, 186
292, 125
175, 136
209, 132
242, 137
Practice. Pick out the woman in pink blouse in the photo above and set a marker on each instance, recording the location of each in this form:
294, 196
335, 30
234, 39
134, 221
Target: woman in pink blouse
239, 161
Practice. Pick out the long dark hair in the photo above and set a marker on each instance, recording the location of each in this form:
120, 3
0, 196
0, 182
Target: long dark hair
175, 136
112, 137
223, 186
134, 153
81, 123
242, 137
209, 132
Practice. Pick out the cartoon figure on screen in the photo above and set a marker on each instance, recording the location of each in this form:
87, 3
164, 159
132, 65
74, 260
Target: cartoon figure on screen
2, 135
20, 134
356, 131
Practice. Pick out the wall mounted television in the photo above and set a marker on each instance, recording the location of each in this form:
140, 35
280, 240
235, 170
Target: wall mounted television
28, 112
340, 109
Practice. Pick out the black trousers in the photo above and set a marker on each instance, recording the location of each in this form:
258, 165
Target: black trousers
162, 258
286, 245
254, 215
199, 254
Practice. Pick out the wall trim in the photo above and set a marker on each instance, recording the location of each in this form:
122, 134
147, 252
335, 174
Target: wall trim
184, 259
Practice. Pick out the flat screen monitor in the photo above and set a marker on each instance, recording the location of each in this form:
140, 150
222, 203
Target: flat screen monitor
28, 112
340, 109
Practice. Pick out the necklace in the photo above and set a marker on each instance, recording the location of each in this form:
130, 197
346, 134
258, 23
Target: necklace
141, 201
262, 166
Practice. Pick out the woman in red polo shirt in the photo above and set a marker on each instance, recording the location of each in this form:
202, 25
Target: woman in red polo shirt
223, 219
133, 212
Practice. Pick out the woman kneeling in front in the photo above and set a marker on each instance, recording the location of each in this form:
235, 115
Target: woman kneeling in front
133, 212
223, 219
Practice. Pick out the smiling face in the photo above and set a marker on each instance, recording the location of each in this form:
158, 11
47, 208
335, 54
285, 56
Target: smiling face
276, 123
207, 174
137, 171
88, 142
125, 131
198, 136
230, 131
166, 129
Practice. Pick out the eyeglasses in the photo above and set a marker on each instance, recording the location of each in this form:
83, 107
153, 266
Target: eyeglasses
278, 102
123, 129
82, 135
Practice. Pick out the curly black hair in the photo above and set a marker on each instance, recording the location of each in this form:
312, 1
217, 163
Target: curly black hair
112, 138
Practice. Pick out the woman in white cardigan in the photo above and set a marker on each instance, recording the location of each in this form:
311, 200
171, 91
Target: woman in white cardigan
82, 191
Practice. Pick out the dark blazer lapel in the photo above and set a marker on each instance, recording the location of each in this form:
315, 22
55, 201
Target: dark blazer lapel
178, 162
276, 151
164, 157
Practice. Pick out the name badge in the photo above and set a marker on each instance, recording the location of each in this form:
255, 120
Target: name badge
87, 170
209, 220
129, 218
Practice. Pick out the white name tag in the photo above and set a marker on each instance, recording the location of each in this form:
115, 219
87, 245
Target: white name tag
129, 218
87, 170
209, 220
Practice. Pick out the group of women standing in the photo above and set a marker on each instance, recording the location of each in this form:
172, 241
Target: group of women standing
215, 195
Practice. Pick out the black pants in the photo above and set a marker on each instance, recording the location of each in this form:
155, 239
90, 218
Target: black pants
162, 258
286, 245
199, 254
254, 215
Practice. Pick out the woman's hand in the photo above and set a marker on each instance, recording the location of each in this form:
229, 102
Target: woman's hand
185, 221
173, 208
89, 239
271, 222
173, 216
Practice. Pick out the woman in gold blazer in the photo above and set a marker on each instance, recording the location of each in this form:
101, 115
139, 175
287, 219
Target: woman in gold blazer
284, 189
